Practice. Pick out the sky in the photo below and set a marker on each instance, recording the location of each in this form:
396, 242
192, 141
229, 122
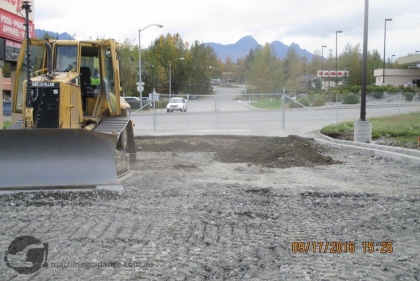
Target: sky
311, 24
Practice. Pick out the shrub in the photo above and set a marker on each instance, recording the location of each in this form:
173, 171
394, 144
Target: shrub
318, 101
6, 124
355, 89
333, 95
378, 95
294, 105
161, 104
351, 99
370, 88
343, 89
409, 96
392, 89
311, 96
304, 101
408, 90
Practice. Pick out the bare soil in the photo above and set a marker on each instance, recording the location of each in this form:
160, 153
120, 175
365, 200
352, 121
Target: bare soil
275, 152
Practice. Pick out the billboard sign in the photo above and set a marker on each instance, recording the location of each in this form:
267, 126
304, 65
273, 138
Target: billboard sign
14, 7
12, 27
331, 73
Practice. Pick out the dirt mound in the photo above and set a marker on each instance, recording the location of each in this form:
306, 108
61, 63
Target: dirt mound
276, 152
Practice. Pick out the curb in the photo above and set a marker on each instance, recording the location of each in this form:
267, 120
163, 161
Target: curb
247, 105
404, 155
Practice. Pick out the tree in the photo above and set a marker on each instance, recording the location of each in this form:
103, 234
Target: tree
351, 59
129, 68
165, 49
316, 63
6, 70
293, 69
374, 62
249, 60
48, 36
201, 61
265, 74
318, 84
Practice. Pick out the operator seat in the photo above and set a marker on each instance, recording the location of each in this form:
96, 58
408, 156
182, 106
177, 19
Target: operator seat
84, 76
85, 84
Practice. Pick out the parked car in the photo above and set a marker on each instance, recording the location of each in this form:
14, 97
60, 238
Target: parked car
176, 104
7, 108
135, 101
131, 99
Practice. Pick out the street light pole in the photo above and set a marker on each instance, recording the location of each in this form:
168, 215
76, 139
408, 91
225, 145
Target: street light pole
383, 73
170, 79
364, 64
140, 85
245, 75
170, 76
363, 127
336, 81
322, 65
153, 81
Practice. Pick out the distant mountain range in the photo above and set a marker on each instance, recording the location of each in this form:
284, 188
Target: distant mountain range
235, 51
60, 36
241, 49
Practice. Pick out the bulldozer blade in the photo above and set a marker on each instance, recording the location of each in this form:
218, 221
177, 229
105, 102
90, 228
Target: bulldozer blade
57, 159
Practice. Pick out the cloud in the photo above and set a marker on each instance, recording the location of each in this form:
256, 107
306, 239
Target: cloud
310, 24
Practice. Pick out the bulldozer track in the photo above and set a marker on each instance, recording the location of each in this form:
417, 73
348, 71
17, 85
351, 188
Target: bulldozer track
112, 125
116, 126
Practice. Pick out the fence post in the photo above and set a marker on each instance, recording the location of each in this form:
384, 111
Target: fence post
282, 108
154, 110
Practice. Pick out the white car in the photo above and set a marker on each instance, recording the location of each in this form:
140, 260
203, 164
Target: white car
177, 104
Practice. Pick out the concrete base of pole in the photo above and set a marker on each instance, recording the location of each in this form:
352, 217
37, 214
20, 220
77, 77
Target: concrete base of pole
363, 131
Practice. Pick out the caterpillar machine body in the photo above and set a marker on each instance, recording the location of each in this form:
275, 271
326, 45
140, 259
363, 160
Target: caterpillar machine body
74, 132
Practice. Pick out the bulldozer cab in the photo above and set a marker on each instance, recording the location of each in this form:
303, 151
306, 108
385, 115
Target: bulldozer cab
84, 76
99, 78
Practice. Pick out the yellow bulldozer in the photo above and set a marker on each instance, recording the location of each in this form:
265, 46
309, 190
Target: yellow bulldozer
74, 131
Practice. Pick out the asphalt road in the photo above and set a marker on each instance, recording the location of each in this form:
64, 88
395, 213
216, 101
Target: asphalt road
223, 113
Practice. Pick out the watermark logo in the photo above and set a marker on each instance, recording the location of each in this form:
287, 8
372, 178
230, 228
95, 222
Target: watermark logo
26, 254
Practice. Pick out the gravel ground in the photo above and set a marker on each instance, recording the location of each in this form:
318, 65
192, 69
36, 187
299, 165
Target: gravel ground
190, 213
